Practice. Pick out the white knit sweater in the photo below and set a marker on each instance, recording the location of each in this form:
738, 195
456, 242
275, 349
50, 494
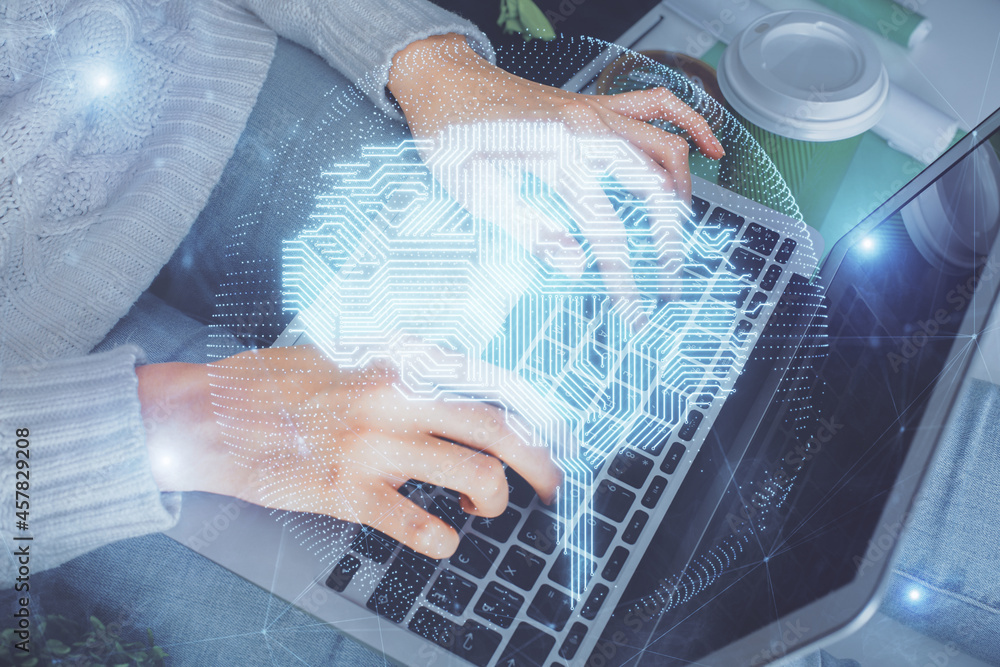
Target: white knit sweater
116, 120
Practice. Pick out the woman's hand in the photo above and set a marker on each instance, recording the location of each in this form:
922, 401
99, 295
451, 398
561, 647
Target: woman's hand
440, 81
285, 428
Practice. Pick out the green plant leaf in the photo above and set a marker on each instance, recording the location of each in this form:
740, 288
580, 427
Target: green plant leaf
57, 647
30, 662
96, 622
535, 22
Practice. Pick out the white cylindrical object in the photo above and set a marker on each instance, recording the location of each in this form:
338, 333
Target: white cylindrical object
914, 127
805, 75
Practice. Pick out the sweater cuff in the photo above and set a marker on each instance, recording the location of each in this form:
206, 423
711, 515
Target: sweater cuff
89, 481
360, 38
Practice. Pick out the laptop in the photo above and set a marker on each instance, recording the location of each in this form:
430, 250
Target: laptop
742, 533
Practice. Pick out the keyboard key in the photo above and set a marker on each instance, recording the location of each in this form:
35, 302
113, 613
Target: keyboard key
648, 435
635, 526
691, 425
760, 239
756, 305
653, 493
673, 457
521, 567
374, 545
435, 627
742, 332
745, 264
785, 251
343, 572
602, 534
727, 220
548, 357
613, 501
475, 555
699, 208
770, 278
500, 527
599, 431
449, 511
400, 586
551, 608
567, 328
594, 602
473, 641
476, 643
702, 264
631, 467
666, 405
519, 491
732, 294
451, 592
615, 563
540, 532
528, 647
568, 498
407, 552
499, 605
618, 401
637, 372
572, 571
573, 641
705, 397
725, 364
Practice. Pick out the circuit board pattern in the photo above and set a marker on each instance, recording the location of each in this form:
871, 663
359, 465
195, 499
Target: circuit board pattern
394, 267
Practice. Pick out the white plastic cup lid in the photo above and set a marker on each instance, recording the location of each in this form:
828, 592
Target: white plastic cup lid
805, 75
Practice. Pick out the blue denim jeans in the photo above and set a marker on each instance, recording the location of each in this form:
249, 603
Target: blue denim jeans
204, 615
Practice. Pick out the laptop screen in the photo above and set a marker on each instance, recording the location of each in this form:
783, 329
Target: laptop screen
803, 503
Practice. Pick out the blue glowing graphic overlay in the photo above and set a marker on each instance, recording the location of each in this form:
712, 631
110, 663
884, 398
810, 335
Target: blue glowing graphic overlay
392, 266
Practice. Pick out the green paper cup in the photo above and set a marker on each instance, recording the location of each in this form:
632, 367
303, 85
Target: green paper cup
807, 85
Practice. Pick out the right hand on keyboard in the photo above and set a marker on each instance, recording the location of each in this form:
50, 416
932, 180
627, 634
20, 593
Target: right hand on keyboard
286, 428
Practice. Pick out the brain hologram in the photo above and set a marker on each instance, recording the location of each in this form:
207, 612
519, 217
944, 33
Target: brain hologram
494, 305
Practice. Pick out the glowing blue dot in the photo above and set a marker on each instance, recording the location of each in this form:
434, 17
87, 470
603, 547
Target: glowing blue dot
914, 594
867, 244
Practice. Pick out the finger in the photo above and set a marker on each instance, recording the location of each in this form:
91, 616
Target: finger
405, 521
604, 231
668, 150
488, 428
660, 103
477, 476
494, 195
484, 428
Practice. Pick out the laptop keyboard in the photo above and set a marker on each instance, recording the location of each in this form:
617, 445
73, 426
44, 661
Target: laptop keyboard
525, 587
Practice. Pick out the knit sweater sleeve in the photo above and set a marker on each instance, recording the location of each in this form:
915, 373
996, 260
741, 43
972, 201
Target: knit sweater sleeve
85, 480
360, 37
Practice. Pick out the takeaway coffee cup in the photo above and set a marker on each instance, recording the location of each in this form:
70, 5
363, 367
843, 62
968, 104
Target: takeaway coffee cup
807, 85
